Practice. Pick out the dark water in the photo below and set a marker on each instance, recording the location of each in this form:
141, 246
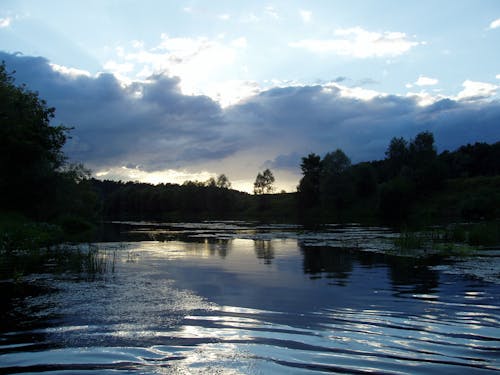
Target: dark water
233, 298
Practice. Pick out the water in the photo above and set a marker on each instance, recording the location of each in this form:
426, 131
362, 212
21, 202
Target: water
234, 298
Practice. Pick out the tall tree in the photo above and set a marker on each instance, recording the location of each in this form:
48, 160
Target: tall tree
397, 155
336, 185
34, 174
31, 149
223, 182
422, 149
264, 182
309, 184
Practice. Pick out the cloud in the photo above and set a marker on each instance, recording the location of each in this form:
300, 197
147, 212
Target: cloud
495, 24
474, 90
271, 12
70, 72
497, 76
198, 62
224, 16
150, 124
359, 43
5, 22
305, 15
150, 130
125, 173
426, 81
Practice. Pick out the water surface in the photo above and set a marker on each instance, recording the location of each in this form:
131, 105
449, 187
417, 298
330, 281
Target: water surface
231, 298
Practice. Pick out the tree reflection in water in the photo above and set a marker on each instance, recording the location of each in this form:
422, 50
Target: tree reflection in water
407, 275
264, 250
333, 263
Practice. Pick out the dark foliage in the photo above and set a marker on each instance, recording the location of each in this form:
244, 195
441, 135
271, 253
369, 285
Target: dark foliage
390, 189
189, 201
37, 182
35, 178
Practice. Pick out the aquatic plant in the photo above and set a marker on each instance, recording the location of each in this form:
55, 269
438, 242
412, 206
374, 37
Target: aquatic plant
18, 233
452, 241
84, 260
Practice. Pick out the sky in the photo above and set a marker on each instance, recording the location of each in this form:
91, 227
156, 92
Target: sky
169, 91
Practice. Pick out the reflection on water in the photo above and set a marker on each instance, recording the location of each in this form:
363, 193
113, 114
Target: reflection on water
264, 250
235, 298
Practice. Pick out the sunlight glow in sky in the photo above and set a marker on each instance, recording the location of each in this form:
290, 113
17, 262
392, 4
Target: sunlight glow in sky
166, 91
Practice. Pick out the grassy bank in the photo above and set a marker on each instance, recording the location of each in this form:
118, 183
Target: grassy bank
17, 232
463, 199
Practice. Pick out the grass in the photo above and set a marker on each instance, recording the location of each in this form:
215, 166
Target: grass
19, 233
470, 199
83, 260
35, 247
456, 239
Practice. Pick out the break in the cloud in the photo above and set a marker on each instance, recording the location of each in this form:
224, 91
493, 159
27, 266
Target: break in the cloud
5, 22
360, 43
495, 24
198, 62
426, 81
150, 130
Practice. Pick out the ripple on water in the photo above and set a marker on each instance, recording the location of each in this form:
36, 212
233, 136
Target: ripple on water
143, 320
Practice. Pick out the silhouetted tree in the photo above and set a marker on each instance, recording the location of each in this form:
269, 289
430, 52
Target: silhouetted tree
336, 186
309, 186
223, 182
396, 199
422, 149
35, 178
427, 171
264, 183
365, 179
397, 155
211, 182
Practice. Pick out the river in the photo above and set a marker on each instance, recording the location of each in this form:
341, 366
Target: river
242, 298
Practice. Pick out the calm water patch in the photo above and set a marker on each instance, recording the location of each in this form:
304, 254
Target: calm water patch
234, 298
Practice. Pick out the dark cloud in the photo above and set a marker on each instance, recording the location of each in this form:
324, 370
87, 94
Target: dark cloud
289, 161
150, 124
153, 125
313, 119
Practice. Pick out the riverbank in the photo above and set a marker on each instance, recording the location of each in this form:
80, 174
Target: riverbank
17, 232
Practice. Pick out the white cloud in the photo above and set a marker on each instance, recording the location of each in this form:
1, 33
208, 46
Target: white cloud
224, 17
498, 76
5, 22
495, 24
426, 81
166, 176
424, 98
306, 15
271, 11
71, 72
474, 90
239, 42
358, 93
201, 63
137, 44
230, 92
360, 43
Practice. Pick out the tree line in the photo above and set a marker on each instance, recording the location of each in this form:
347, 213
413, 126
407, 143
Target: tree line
334, 189
37, 181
